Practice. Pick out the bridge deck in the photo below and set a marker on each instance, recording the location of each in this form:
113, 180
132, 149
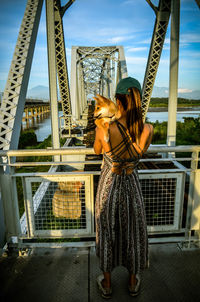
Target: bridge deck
68, 274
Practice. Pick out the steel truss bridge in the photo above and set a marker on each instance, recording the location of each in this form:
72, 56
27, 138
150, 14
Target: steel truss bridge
93, 70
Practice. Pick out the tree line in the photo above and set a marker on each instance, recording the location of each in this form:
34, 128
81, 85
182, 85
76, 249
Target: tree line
163, 102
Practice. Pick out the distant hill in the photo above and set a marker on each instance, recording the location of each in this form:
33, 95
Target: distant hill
42, 92
163, 92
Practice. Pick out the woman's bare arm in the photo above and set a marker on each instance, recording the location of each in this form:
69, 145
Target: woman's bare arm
97, 143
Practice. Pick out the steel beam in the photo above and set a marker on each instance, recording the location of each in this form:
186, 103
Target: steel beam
61, 61
123, 72
73, 84
173, 73
160, 28
52, 75
12, 106
198, 3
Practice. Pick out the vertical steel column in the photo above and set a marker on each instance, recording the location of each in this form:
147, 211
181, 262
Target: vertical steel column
108, 75
83, 96
52, 75
73, 84
105, 77
10, 205
80, 90
122, 62
192, 189
112, 86
173, 76
102, 78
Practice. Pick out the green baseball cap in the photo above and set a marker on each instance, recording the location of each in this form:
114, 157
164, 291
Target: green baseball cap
126, 83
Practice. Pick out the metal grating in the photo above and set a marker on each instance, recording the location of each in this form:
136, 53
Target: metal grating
159, 197
62, 207
58, 206
163, 199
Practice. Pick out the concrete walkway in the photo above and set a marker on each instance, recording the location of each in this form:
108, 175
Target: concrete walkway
69, 274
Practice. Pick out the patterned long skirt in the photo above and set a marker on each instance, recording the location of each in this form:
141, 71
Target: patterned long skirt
121, 230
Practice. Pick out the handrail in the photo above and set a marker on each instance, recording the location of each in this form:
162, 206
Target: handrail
84, 151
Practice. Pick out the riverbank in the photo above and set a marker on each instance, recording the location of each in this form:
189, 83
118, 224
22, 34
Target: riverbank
160, 114
179, 109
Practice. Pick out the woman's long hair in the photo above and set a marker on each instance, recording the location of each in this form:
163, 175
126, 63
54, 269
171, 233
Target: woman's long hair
132, 105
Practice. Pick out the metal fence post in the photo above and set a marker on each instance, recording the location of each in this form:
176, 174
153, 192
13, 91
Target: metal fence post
10, 205
174, 61
194, 166
2, 219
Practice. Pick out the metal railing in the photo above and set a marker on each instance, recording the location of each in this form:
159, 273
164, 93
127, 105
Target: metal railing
59, 203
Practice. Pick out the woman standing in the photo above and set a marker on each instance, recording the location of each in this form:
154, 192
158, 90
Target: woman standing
121, 230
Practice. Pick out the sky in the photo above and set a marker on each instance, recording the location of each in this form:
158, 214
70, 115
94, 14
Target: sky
102, 23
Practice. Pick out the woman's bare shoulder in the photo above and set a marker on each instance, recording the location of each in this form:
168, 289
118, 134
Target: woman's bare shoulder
148, 128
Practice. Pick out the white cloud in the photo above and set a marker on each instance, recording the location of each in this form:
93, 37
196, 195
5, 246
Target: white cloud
135, 49
3, 75
118, 39
146, 41
166, 47
110, 31
190, 38
127, 2
136, 60
184, 90
68, 51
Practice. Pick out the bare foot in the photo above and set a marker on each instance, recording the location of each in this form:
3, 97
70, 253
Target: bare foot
132, 280
105, 284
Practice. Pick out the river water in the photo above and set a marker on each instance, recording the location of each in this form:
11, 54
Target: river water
43, 127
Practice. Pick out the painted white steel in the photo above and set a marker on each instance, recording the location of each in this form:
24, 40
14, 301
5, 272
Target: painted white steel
195, 219
73, 83
78, 150
122, 61
13, 102
52, 75
10, 205
30, 209
173, 72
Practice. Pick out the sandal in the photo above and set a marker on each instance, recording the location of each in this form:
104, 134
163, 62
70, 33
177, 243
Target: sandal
105, 292
134, 290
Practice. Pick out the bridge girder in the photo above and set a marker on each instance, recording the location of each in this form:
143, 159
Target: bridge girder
95, 66
160, 27
14, 96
